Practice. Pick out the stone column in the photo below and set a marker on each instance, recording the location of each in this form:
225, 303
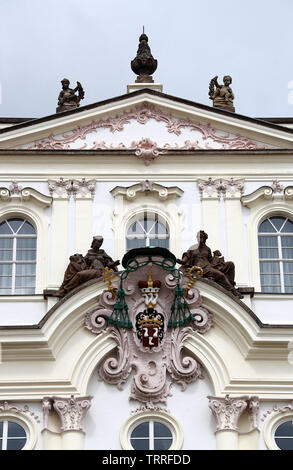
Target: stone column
235, 229
71, 412
227, 411
211, 220
83, 192
60, 191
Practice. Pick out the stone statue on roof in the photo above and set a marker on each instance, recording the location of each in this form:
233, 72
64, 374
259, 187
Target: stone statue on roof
222, 95
67, 98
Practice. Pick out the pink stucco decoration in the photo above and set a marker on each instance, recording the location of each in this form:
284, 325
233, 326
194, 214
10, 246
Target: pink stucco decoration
157, 368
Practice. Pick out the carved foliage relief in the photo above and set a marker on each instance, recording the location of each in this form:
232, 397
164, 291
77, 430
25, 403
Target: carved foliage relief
146, 120
150, 349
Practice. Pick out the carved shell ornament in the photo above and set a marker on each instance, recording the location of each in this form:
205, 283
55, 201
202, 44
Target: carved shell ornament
152, 314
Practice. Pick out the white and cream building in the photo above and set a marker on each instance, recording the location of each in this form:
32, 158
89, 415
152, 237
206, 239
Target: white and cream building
145, 169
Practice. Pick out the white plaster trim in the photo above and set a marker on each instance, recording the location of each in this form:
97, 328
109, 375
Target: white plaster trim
271, 425
27, 423
22, 298
160, 416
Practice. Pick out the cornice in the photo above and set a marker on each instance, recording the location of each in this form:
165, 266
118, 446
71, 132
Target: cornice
147, 187
18, 194
276, 192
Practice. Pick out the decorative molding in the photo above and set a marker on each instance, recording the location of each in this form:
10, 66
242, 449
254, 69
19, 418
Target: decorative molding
276, 192
253, 410
71, 411
145, 414
147, 187
277, 187
278, 409
146, 150
5, 407
17, 194
79, 189
15, 188
142, 114
83, 188
150, 363
228, 188
227, 411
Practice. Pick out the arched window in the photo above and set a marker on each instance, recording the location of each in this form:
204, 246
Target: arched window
12, 435
18, 242
149, 230
284, 435
275, 244
151, 435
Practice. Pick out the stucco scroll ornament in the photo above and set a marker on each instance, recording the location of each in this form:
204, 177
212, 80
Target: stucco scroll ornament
278, 409
6, 407
221, 187
146, 150
150, 344
142, 114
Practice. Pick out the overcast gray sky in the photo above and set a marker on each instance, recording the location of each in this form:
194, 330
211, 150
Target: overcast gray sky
93, 41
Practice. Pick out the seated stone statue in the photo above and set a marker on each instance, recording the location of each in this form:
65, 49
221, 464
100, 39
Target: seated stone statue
226, 267
77, 273
222, 95
96, 258
67, 98
214, 268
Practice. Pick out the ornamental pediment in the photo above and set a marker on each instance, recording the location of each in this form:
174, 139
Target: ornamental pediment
140, 121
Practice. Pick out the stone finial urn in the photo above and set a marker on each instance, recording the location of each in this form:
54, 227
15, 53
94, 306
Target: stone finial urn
144, 65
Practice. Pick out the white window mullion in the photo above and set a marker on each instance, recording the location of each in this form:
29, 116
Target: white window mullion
5, 435
151, 434
13, 266
281, 263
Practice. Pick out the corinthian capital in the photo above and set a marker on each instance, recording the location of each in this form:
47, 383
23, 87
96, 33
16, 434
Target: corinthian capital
71, 411
227, 411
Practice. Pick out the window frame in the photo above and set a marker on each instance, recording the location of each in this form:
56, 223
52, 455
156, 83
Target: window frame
150, 415
27, 423
147, 215
271, 426
280, 259
14, 261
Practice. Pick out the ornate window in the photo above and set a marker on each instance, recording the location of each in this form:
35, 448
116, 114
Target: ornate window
275, 243
149, 230
278, 429
18, 243
151, 435
284, 435
12, 435
151, 430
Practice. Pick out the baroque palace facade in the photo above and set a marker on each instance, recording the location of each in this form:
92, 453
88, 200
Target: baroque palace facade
170, 348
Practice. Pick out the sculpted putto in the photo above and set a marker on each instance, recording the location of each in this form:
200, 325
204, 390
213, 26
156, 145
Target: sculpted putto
67, 98
214, 267
222, 95
83, 268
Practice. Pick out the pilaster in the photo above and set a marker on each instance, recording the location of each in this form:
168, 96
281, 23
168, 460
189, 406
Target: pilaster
60, 191
83, 193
